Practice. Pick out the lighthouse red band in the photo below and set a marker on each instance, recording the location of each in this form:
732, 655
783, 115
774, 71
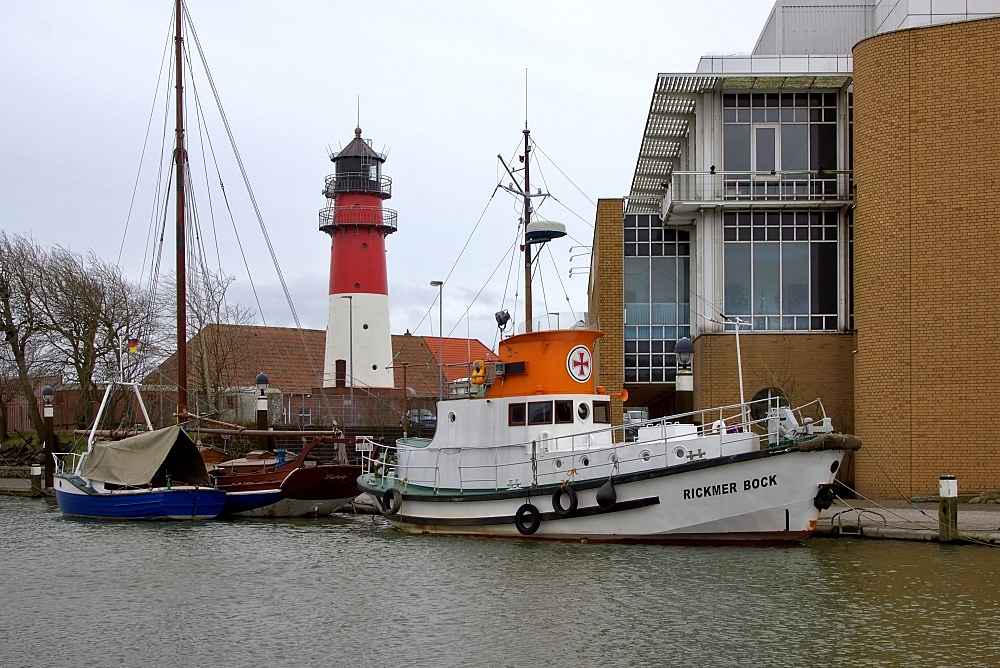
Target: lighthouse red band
358, 225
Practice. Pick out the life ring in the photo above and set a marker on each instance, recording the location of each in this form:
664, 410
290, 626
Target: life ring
478, 375
557, 500
534, 519
392, 501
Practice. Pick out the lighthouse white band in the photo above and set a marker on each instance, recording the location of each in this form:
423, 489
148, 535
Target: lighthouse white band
372, 340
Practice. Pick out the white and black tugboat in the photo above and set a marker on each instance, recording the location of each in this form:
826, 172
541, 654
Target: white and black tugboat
529, 451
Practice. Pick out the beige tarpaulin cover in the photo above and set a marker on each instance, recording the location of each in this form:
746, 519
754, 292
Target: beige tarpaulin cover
137, 460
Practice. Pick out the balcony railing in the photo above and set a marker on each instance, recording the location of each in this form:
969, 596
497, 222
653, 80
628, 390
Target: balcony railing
758, 186
371, 216
358, 182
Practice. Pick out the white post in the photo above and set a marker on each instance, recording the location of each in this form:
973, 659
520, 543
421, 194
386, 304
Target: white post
739, 365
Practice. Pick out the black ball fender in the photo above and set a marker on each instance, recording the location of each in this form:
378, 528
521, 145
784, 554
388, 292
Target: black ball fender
392, 501
606, 495
527, 519
557, 500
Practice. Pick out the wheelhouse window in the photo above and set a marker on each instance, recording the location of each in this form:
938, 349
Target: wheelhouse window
657, 297
540, 412
602, 412
564, 412
780, 269
515, 414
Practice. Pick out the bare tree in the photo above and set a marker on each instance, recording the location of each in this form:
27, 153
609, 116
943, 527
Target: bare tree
21, 324
219, 336
88, 306
8, 389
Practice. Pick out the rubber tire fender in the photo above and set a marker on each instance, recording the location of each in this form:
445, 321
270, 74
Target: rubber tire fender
557, 495
534, 517
392, 501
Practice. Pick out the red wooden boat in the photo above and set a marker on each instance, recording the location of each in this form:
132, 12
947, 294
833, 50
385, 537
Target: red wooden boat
262, 485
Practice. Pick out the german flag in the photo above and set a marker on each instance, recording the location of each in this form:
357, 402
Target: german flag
133, 346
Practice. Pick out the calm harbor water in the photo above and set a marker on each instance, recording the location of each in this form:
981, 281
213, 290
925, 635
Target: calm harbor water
354, 592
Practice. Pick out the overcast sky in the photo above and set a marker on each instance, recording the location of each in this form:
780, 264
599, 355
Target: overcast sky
441, 88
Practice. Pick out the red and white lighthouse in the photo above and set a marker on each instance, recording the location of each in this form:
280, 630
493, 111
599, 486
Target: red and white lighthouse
359, 291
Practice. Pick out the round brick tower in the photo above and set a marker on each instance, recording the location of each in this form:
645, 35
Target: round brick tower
359, 292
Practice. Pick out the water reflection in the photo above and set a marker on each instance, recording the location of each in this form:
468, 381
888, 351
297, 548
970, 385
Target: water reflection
350, 592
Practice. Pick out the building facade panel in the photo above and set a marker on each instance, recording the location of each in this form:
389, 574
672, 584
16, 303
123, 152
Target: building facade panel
926, 243
605, 298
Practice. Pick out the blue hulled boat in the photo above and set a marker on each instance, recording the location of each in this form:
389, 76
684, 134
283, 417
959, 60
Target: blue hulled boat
151, 476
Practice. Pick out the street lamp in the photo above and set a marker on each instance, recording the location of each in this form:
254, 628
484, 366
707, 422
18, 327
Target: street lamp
440, 286
350, 338
49, 414
262, 382
684, 383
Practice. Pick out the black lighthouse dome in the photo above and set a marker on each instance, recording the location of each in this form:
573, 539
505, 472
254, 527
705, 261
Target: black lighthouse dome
359, 170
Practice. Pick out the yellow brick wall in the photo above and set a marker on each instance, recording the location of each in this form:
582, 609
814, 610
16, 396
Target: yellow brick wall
605, 298
803, 366
927, 243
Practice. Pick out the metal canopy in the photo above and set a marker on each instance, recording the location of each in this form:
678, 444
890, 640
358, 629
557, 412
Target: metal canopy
670, 114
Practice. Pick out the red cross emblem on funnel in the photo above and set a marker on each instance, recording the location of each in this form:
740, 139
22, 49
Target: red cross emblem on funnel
579, 364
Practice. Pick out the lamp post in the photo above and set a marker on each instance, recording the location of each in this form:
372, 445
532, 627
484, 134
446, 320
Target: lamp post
49, 414
684, 386
440, 286
350, 339
262, 382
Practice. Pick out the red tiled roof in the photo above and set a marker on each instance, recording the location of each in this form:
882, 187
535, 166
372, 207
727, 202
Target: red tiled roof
246, 350
458, 354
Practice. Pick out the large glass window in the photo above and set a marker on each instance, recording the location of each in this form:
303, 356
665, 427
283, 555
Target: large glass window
779, 134
780, 269
657, 297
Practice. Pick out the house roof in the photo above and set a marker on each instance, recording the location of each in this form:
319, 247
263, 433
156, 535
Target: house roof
458, 354
293, 359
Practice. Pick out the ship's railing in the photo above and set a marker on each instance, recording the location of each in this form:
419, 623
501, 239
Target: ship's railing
358, 182
66, 462
563, 320
381, 462
374, 216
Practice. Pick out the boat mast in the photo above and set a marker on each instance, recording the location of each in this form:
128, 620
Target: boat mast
526, 191
180, 158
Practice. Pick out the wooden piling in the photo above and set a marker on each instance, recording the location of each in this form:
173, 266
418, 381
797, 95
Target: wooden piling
948, 509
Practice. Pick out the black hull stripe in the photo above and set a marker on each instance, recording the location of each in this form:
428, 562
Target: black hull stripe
592, 484
509, 519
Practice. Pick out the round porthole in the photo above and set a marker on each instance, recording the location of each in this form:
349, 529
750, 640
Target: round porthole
357, 286
583, 411
645, 454
679, 453
364, 326
374, 367
558, 463
613, 458
834, 466
585, 461
364, 245
451, 417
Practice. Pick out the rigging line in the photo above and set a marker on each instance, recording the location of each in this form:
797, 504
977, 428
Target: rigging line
561, 284
535, 144
253, 201
243, 172
506, 285
485, 283
560, 203
145, 141
157, 193
202, 120
545, 298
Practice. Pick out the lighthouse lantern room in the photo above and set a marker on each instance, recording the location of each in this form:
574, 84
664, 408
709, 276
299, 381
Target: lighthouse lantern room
359, 292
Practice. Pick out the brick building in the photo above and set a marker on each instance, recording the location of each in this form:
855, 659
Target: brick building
743, 203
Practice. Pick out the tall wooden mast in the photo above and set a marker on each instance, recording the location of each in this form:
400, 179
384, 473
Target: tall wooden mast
527, 219
180, 158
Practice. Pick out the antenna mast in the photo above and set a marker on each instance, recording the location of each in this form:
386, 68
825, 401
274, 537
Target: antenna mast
180, 158
527, 210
